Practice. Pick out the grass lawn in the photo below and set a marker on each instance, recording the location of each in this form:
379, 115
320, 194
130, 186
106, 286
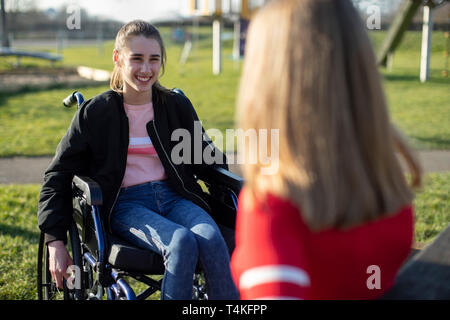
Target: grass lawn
32, 123
421, 110
19, 235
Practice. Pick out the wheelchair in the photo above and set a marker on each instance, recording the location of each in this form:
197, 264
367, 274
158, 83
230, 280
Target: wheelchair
104, 263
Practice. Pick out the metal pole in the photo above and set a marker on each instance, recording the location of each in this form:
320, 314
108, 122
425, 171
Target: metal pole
60, 41
195, 39
237, 39
217, 46
427, 31
5, 40
100, 38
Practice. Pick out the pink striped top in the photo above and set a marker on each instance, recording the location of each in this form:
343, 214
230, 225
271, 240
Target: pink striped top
143, 163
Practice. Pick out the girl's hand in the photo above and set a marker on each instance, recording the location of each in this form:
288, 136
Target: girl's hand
59, 261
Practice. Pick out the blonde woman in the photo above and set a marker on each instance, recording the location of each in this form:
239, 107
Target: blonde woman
336, 219
122, 139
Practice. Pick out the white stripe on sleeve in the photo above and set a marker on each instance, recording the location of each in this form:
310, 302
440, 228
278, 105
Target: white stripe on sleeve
274, 273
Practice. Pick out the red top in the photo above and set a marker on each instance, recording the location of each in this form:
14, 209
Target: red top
278, 257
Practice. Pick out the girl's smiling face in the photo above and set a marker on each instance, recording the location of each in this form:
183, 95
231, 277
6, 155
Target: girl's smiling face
140, 64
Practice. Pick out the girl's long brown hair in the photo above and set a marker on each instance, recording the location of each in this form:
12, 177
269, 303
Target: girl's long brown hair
310, 72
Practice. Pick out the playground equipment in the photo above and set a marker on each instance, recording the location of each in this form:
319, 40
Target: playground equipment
407, 10
238, 11
5, 51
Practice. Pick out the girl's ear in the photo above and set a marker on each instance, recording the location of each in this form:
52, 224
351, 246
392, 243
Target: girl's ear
115, 57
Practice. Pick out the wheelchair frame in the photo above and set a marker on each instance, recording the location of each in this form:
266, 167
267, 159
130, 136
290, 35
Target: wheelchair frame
91, 247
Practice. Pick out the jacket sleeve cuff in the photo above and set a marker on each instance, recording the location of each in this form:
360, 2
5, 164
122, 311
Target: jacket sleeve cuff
53, 235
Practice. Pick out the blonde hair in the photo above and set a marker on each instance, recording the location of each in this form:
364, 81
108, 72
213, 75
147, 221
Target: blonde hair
314, 78
137, 28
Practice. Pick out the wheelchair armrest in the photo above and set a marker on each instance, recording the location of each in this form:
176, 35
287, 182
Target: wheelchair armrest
89, 189
220, 176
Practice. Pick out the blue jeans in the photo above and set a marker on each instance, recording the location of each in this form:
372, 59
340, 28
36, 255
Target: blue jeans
153, 216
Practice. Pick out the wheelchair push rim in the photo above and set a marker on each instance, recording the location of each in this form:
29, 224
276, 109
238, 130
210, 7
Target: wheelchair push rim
46, 287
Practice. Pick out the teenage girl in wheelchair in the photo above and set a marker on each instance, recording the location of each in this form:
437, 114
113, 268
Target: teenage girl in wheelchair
129, 208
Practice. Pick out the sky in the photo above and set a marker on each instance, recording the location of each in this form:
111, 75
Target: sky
124, 10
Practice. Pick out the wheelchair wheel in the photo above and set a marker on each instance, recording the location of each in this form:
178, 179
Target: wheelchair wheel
47, 289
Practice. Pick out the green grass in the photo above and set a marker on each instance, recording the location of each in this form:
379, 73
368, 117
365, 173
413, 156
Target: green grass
432, 207
19, 234
33, 123
421, 110
19, 240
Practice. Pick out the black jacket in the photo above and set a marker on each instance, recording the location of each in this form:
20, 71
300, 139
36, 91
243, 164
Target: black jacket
96, 145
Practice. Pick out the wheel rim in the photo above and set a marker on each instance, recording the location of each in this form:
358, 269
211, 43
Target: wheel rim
47, 289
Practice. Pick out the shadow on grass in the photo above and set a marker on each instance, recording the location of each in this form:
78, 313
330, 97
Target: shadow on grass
4, 96
433, 142
414, 78
13, 231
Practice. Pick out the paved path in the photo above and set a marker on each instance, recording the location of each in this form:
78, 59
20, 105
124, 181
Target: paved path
22, 170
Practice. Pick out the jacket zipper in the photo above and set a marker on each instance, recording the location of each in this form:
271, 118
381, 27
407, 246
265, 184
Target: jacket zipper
173, 167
